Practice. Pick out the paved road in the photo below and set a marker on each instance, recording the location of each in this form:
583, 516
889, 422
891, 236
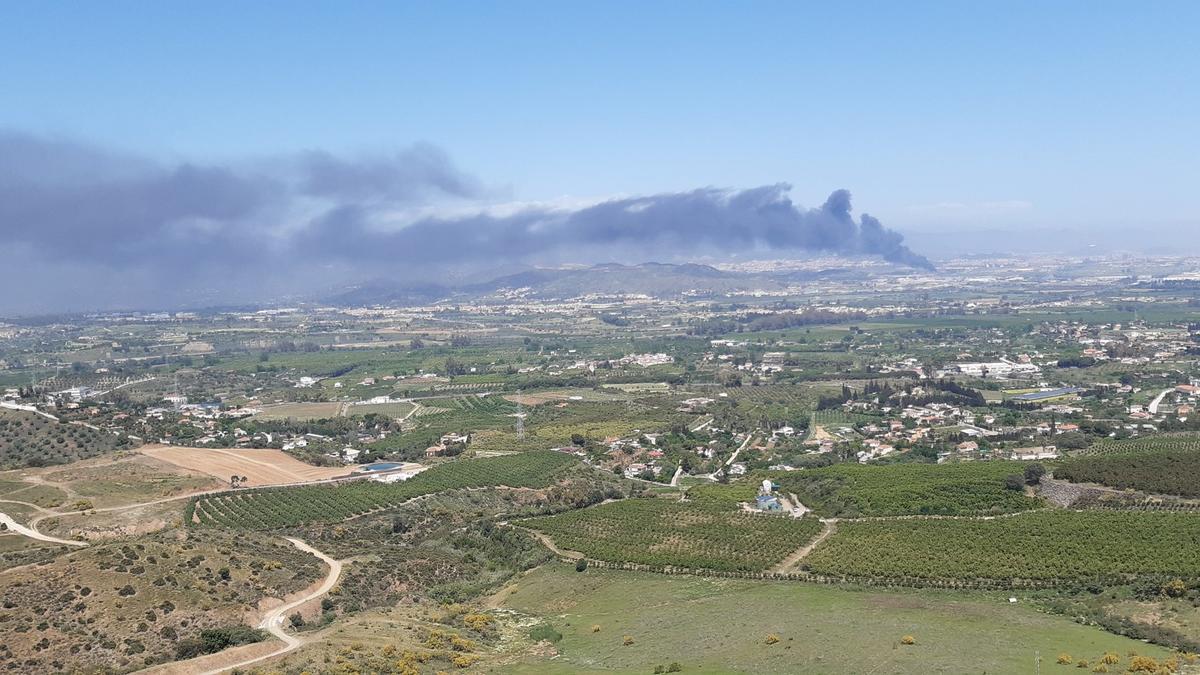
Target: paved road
274, 620
1153, 407
733, 457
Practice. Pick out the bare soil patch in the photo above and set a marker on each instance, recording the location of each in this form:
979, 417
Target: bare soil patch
260, 467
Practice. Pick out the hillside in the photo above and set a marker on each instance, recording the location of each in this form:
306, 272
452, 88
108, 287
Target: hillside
125, 605
655, 279
27, 439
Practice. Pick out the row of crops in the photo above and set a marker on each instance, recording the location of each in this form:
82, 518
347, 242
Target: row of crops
1169, 472
288, 507
1182, 442
691, 535
1036, 545
840, 417
851, 490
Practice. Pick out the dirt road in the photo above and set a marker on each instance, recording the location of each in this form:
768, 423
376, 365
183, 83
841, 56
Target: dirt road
796, 556
14, 526
274, 620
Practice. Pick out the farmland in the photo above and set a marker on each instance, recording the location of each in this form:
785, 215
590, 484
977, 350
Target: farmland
873, 408
397, 409
1169, 472
289, 507
850, 490
1045, 545
300, 411
658, 532
261, 467
1172, 442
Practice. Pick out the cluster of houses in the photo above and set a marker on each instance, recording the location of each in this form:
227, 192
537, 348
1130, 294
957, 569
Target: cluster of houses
998, 370
447, 444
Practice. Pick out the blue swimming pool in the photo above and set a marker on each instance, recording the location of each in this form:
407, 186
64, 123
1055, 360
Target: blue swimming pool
381, 466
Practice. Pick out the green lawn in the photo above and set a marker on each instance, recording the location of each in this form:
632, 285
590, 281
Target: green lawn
721, 625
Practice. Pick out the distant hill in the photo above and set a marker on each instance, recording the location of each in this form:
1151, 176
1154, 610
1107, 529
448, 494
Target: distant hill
654, 279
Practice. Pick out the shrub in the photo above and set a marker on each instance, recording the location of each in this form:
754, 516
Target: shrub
479, 623
212, 640
1064, 660
544, 631
772, 638
908, 640
595, 628
1143, 664
627, 641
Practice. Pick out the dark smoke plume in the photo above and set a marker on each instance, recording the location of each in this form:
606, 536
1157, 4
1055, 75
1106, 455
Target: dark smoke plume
68, 208
708, 218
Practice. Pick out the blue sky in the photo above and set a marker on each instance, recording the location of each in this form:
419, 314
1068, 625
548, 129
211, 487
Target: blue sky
937, 116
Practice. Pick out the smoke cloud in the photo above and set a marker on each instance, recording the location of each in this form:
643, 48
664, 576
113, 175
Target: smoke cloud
71, 213
704, 219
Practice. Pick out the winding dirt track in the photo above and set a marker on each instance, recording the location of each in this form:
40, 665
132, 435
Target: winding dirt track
274, 620
14, 526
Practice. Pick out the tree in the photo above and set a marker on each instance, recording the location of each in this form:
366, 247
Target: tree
581, 565
1034, 473
296, 619
1014, 482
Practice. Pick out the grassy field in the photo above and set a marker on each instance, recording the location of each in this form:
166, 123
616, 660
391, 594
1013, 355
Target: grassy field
398, 409
721, 626
45, 496
130, 480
